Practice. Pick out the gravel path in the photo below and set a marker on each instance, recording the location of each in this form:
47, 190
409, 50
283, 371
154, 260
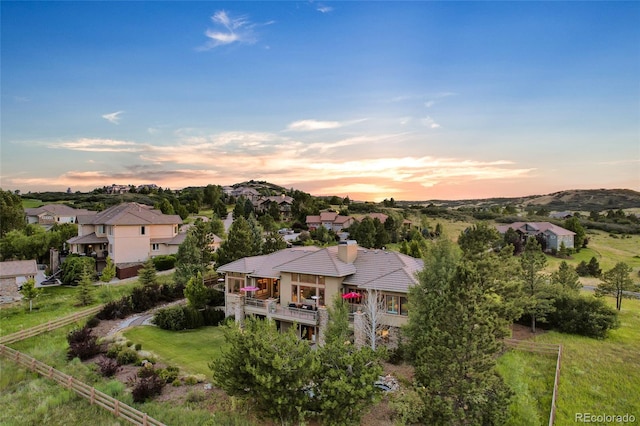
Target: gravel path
143, 318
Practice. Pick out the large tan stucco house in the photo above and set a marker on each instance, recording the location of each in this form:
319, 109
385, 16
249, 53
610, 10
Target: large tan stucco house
330, 220
129, 233
294, 285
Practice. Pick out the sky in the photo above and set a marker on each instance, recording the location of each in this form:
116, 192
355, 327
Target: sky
411, 100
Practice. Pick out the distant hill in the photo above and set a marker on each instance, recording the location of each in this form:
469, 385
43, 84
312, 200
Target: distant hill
570, 200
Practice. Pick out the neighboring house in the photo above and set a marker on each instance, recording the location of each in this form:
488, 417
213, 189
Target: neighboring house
128, 233
117, 189
294, 285
12, 274
248, 193
560, 215
284, 203
380, 216
330, 220
215, 244
50, 214
552, 235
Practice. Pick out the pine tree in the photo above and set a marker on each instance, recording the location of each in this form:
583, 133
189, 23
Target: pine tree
196, 292
147, 275
85, 290
272, 369
567, 278
257, 238
537, 293
109, 271
238, 243
451, 335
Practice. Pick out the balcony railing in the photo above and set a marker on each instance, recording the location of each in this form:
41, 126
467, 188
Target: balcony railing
303, 314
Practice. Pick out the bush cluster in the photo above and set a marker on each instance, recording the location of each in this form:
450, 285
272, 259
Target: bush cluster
107, 366
584, 315
146, 387
141, 299
82, 344
164, 262
186, 318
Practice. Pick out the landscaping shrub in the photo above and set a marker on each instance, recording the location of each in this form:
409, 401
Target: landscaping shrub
169, 374
145, 388
120, 308
147, 371
82, 344
584, 315
212, 316
107, 366
113, 350
92, 322
144, 298
138, 346
215, 297
193, 318
164, 262
171, 318
127, 356
195, 396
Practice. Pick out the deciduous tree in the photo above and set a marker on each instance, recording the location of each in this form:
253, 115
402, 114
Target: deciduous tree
29, 292
616, 282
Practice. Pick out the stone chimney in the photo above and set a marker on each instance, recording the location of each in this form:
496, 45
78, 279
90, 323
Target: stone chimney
348, 251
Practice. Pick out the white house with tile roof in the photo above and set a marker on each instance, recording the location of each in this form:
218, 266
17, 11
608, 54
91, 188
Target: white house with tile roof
128, 233
294, 285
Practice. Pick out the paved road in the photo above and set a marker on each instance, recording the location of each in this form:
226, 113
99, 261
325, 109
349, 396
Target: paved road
228, 221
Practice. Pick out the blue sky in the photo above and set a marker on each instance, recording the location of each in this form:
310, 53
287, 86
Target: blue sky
411, 100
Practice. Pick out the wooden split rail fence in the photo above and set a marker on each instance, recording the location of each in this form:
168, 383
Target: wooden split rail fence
542, 348
114, 406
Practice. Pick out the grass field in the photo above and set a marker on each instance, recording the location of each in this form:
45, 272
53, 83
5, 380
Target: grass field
531, 377
600, 376
191, 350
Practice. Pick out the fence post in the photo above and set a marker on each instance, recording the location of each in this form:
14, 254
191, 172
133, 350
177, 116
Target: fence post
70, 382
116, 411
144, 420
93, 395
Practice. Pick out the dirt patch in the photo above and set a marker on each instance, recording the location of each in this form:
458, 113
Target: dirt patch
523, 332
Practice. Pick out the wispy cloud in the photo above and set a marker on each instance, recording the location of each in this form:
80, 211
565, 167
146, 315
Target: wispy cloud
98, 145
312, 125
323, 8
430, 123
231, 29
113, 117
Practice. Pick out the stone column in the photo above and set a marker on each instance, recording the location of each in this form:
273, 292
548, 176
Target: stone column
271, 307
359, 332
235, 306
323, 321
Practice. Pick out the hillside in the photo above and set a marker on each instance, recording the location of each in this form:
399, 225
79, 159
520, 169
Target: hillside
571, 200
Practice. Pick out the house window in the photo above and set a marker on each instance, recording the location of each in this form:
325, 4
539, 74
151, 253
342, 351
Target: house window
100, 229
155, 247
393, 304
143, 230
404, 306
110, 230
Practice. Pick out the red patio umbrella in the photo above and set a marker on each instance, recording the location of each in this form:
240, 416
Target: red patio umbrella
351, 295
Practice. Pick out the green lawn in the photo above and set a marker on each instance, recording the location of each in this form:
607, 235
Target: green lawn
600, 376
191, 350
54, 303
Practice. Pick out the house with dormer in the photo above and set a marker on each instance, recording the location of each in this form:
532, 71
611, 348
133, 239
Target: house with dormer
129, 233
331, 220
552, 235
294, 285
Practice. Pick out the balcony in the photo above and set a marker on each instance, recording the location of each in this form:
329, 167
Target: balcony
300, 315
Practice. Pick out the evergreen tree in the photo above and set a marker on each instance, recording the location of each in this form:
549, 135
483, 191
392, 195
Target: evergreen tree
594, 268
273, 242
85, 290
257, 238
338, 327
616, 282
216, 226
238, 243
238, 209
538, 294
147, 275
29, 292
109, 271
195, 254
567, 278
382, 236
272, 369
196, 292
579, 240
452, 336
